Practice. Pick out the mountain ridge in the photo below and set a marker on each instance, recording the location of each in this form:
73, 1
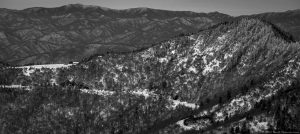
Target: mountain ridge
215, 61
73, 32
244, 58
64, 34
279, 33
91, 8
288, 21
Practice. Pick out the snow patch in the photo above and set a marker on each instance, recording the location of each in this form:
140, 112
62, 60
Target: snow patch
148, 54
183, 60
176, 103
191, 37
236, 47
212, 66
193, 69
197, 45
119, 67
173, 52
162, 60
258, 126
226, 56
204, 59
53, 81
211, 50
222, 38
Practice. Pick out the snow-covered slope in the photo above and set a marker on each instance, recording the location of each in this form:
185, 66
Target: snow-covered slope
247, 58
199, 65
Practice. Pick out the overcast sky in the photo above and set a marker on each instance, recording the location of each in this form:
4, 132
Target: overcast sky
231, 7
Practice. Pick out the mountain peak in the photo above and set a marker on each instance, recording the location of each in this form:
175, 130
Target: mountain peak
138, 10
79, 5
141, 8
250, 24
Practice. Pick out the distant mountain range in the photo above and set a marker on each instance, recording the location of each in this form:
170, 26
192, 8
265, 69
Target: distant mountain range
74, 32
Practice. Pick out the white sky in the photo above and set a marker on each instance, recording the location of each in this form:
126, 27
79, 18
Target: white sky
231, 7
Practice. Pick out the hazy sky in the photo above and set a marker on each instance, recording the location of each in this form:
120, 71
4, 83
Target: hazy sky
231, 7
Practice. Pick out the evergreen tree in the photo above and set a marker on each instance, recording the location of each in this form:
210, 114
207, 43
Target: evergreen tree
201, 104
244, 129
228, 94
270, 128
207, 100
220, 100
232, 131
237, 129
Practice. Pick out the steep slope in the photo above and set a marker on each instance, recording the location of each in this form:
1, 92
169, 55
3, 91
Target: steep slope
225, 70
73, 32
190, 84
227, 57
289, 21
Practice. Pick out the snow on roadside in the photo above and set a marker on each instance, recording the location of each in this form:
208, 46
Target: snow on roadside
97, 92
181, 124
240, 104
50, 66
16, 86
197, 126
27, 70
146, 93
142, 92
244, 103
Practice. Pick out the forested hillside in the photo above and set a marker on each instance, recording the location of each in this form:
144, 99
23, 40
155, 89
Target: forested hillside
288, 21
239, 76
